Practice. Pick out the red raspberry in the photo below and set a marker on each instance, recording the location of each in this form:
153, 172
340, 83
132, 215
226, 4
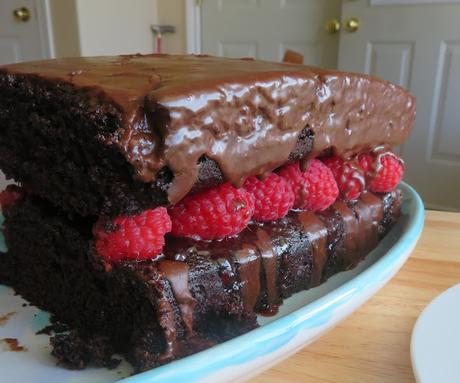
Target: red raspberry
383, 172
213, 214
273, 197
134, 237
315, 188
349, 177
9, 196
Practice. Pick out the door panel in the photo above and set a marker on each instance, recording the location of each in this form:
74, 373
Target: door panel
20, 40
239, 4
418, 47
265, 29
235, 49
389, 60
9, 50
445, 126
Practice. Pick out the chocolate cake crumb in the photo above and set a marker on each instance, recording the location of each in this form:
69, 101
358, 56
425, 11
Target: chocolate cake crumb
6, 317
12, 344
76, 352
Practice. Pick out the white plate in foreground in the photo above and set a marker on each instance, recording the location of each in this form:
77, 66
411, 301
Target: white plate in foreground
301, 319
435, 346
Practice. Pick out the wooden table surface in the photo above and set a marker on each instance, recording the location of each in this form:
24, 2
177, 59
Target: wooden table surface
373, 344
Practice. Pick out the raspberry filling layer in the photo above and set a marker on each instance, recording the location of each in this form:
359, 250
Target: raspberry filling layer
225, 211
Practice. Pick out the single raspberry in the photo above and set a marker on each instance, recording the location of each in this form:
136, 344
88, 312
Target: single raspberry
9, 196
273, 197
349, 177
213, 214
315, 188
383, 171
134, 237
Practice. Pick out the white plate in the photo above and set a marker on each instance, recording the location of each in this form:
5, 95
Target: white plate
435, 346
301, 319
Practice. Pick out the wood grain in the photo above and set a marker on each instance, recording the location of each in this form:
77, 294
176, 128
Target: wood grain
373, 344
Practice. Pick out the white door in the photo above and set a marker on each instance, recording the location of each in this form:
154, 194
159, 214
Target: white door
23, 31
265, 29
418, 47
23, 35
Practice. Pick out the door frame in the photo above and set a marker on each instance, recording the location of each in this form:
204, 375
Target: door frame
43, 10
193, 25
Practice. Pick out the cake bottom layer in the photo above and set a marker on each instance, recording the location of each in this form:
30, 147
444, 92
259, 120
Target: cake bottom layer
197, 295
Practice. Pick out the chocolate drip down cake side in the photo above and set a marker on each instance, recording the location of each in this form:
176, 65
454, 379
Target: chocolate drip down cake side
163, 201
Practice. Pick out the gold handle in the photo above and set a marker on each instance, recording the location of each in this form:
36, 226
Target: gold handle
352, 24
21, 14
332, 26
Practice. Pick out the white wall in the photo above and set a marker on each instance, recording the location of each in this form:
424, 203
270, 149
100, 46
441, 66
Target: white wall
65, 28
109, 27
173, 12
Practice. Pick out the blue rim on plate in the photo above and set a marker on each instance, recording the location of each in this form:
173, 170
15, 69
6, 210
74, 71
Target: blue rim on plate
270, 337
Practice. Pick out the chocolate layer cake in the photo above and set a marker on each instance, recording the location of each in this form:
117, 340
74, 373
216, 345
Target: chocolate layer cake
165, 200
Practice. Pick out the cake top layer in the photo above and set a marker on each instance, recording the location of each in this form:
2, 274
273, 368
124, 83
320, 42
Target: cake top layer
244, 114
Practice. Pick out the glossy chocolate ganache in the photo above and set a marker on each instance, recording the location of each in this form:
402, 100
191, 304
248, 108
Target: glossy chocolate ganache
245, 115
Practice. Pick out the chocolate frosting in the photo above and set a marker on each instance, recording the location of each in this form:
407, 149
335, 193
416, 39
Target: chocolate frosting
267, 253
177, 275
353, 235
244, 114
248, 269
361, 225
317, 234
